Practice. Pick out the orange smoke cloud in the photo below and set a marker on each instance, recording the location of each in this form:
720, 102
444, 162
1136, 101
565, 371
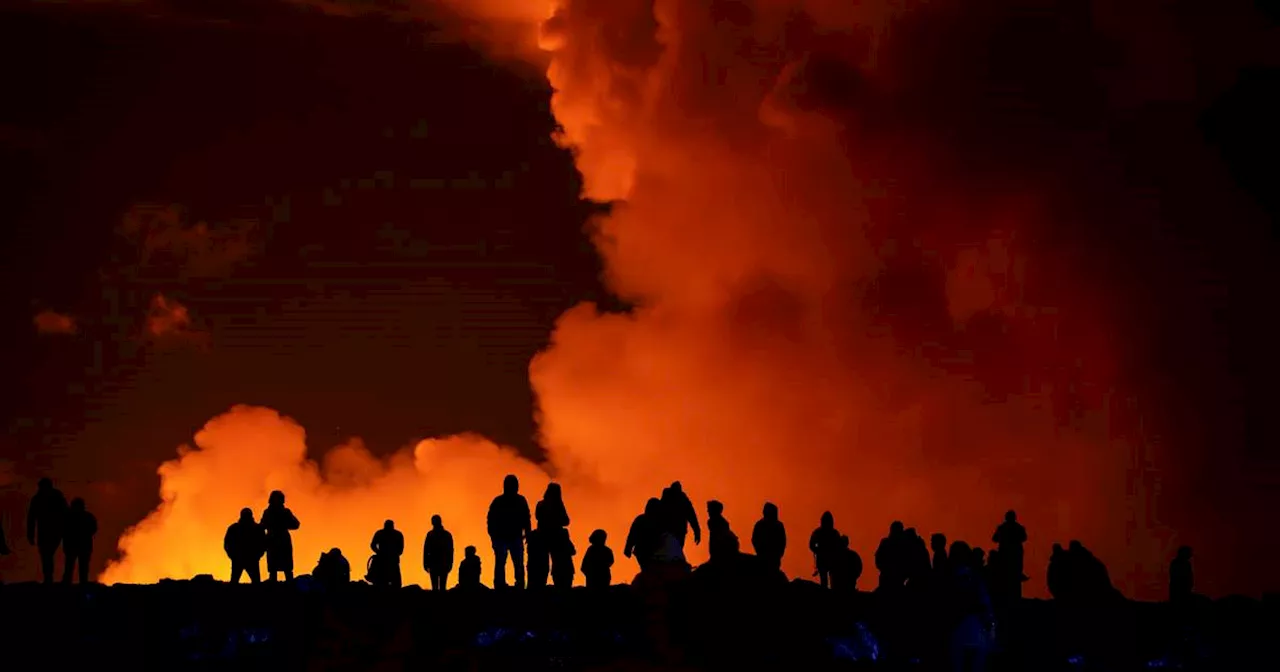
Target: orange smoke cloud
755, 367
167, 317
51, 322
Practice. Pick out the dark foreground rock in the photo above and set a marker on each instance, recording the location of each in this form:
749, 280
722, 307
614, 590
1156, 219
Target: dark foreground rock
696, 623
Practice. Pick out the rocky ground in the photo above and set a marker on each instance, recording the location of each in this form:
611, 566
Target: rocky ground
694, 624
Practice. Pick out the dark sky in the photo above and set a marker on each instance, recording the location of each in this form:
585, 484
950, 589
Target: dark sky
404, 233
415, 235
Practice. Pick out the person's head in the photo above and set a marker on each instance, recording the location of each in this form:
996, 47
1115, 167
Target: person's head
676, 487
77, 505
959, 550
715, 508
1057, 548
770, 511
436, 522
938, 541
895, 528
469, 551
979, 556
828, 520
553, 492
911, 532
598, 537
1184, 553
276, 498
653, 507
246, 515
844, 541
335, 552
1075, 546
45, 484
510, 485
388, 525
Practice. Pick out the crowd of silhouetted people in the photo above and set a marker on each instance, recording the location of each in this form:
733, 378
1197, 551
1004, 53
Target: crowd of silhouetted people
52, 523
538, 546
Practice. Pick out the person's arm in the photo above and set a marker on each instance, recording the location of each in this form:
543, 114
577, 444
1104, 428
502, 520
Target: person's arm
525, 520
631, 541
226, 542
782, 539
693, 522
93, 525
293, 521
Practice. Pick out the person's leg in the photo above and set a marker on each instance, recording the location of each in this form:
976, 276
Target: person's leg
517, 559
254, 570
499, 564
236, 570
68, 565
84, 566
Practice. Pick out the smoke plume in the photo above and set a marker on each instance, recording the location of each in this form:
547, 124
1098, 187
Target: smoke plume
840, 303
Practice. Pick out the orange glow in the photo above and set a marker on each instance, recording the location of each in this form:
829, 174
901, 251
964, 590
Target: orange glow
167, 316
750, 371
50, 322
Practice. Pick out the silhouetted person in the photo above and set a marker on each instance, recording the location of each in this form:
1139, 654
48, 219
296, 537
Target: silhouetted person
469, 569
938, 542
1181, 580
332, 570
597, 562
46, 522
437, 554
1056, 577
978, 561
508, 522
680, 514
538, 560
769, 537
643, 537
824, 543
1088, 578
244, 544
968, 610
889, 558
722, 542
278, 522
1009, 538
915, 558
387, 546
77, 541
847, 568
553, 533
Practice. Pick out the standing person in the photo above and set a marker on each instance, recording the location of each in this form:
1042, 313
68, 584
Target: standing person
46, 520
278, 522
597, 562
1009, 539
769, 537
553, 531
1181, 577
387, 546
244, 545
77, 541
508, 522
825, 545
437, 554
